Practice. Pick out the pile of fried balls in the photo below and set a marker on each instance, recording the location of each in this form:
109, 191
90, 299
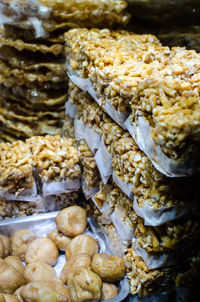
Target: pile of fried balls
26, 264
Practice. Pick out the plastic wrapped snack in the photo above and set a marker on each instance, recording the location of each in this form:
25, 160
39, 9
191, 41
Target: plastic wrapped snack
41, 17
157, 198
113, 203
15, 209
30, 102
90, 173
157, 246
158, 86
154, 284
56, 161
16, 170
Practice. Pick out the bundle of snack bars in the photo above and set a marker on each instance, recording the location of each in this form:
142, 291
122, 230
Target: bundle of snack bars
33, 78
129, 110
135, 111
39, 175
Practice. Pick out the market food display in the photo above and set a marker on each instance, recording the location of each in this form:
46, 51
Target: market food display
99, 119
149, 85
38, 278
33, 76
147, 215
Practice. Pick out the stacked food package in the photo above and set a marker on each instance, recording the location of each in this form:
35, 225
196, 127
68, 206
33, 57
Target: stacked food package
39, 175
114, 113
33, 79
33, 92
134, 105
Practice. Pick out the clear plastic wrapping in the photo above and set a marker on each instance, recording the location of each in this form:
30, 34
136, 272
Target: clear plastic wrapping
126, 85
126, 188
70, 109
65, 186
154, 261
104, 162
141, 132
88, 192
82, 131
29, 195
162, 215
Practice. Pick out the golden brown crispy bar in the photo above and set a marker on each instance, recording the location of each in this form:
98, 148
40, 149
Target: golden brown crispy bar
135, 73
90, 172
129, 162
21, 77
144, 281
114, 61
84, 13
20, 45
34, 98
16, 167
114, 198
7, 137
168, 237
55, 157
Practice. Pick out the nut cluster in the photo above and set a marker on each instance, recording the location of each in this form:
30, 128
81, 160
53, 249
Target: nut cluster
55, 157
138, 75
15, 167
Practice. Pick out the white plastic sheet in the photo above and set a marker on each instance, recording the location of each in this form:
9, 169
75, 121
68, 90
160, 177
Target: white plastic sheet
154, 261
65, 186
104, 162
126, 188
82, 131
70, 109
141, 132
160, 216
88, 192
29, 195
126, 232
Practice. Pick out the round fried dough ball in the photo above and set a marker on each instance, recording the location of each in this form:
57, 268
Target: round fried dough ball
42, 249
1, 249
110, 268
71, 221
11, 298
2, 298
20, 241
39, 270
80, 260
60, 240
38, 291
84, 285
82, 244
10, 278
109, 291
16, 262
6, 244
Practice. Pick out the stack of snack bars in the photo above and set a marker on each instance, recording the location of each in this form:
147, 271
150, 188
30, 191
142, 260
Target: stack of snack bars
33, 78
33, 92
134, 105
39, 175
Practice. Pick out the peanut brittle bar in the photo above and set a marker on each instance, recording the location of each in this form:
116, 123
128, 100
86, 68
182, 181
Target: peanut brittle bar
16, 169
158, 86
56, 161
43, 16
155, 194
171, 236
